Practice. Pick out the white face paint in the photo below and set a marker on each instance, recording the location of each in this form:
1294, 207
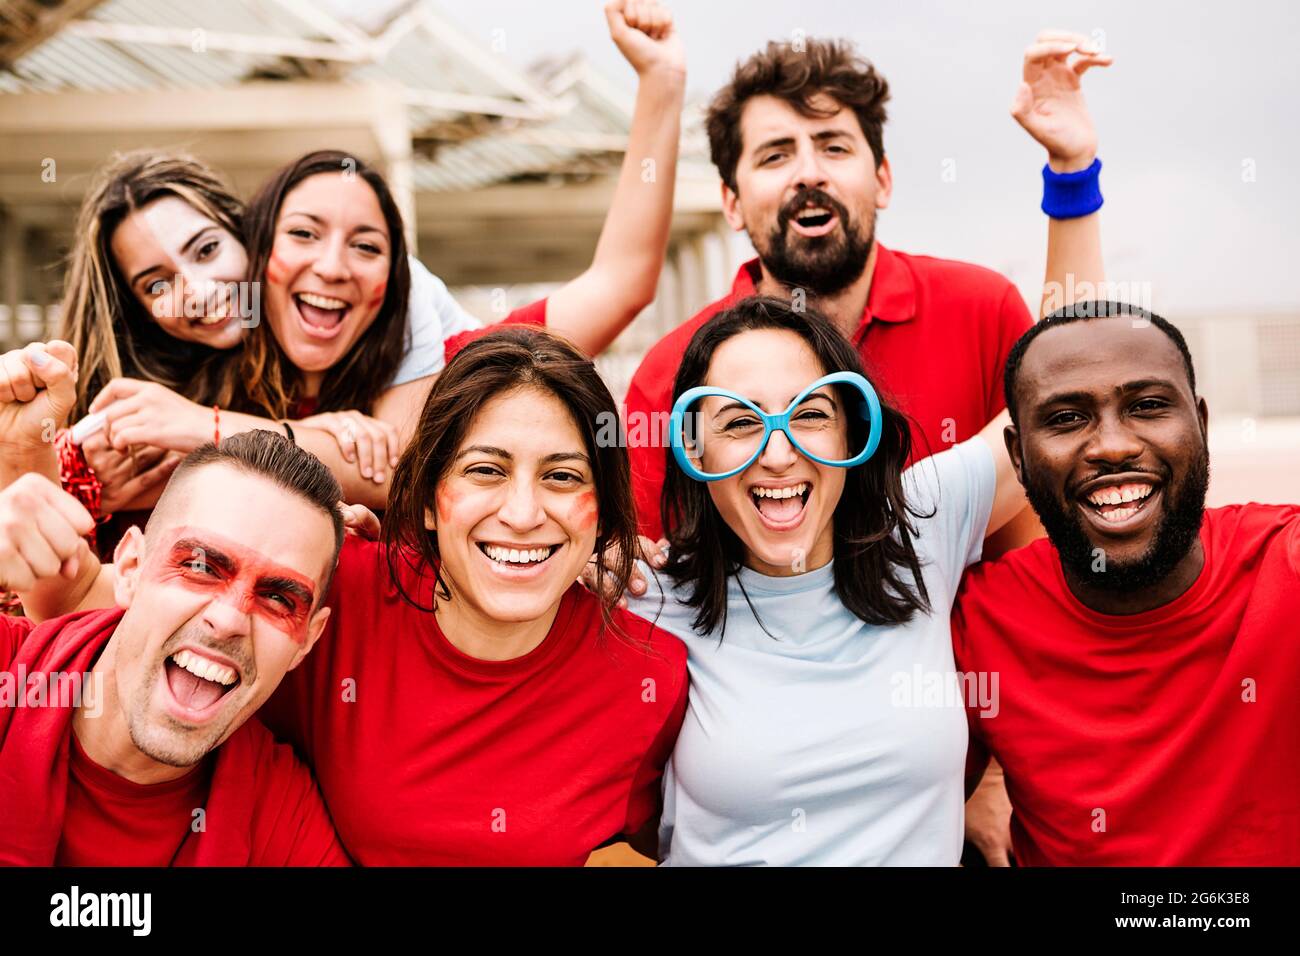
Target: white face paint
186, 270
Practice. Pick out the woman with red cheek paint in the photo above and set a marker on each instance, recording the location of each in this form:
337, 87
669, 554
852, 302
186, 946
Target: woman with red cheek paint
471, 703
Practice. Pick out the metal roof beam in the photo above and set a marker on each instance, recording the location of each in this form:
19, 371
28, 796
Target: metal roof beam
35, 23
215, 40
472, 103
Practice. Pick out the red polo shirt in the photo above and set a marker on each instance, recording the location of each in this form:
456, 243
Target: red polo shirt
934, 338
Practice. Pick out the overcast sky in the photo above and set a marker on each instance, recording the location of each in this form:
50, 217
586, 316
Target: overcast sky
1202, 98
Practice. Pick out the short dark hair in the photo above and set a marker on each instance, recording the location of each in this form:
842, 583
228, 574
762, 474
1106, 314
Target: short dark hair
271, 456
1080, 312
509, 358
874, 552
798, 74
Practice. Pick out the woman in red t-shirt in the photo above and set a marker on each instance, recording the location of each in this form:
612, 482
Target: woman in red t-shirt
470, 703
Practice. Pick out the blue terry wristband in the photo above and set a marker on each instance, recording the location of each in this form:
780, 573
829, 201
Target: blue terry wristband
1071, 195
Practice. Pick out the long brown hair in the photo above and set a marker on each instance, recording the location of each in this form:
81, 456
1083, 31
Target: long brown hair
874, 554
261, 378
113, 333
498, 362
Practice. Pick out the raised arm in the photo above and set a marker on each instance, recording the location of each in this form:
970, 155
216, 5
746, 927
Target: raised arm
44, 555
1050, 105
596, 306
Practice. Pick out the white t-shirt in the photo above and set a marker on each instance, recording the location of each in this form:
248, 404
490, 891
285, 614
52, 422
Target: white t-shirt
434, 316
836, 742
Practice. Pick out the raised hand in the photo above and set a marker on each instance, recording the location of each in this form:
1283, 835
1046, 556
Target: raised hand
644, 33
42, 530
38, 389
1049, 102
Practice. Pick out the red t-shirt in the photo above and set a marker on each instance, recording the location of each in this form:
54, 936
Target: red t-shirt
427, 756
1166, 738
111, 821
534, 313
934, 339
13, 631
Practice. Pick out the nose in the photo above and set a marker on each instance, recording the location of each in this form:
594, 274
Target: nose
199, 286
808, 171
1112, 442
228, 617
331, 265
779, 454
522, 510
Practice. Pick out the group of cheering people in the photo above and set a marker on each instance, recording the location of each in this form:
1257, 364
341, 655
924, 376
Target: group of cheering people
793, 622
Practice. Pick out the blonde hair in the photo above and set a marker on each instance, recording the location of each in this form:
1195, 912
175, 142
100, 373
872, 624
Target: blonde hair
112, 332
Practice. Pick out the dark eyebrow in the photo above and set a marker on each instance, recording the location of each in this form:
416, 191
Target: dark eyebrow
288, 585
502, 453
486, 450
1079, 397
211, 555
819, 394
320, 222
730, 405
1142, 383
566, 456
769, 144
144, 272
832, 134
194, 238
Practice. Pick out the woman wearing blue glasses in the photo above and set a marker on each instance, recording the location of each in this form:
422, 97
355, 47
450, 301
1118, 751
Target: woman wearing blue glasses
811, 578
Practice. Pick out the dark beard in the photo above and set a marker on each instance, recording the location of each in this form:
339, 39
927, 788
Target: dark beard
826, 264
1175, 535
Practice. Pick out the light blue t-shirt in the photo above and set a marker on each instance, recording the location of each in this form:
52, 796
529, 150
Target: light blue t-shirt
434, 315
834, 743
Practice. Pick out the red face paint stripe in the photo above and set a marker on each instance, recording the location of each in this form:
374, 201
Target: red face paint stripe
208, 563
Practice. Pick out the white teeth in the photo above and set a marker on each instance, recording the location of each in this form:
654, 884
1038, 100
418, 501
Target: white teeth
516, 555
204, 668
1120, 494
791, 492
322, 301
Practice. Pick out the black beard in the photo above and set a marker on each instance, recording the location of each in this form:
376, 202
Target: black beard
823, 265
1175, 535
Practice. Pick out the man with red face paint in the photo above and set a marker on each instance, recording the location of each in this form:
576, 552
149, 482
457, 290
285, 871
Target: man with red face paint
125, 734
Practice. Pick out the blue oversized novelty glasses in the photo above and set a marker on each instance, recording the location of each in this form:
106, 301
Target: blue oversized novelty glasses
730, 438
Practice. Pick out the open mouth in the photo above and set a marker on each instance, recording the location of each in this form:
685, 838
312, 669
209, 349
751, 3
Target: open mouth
516, 558
814, 221
197, 683
781, 508
322, 315
217, 313
1121, 506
